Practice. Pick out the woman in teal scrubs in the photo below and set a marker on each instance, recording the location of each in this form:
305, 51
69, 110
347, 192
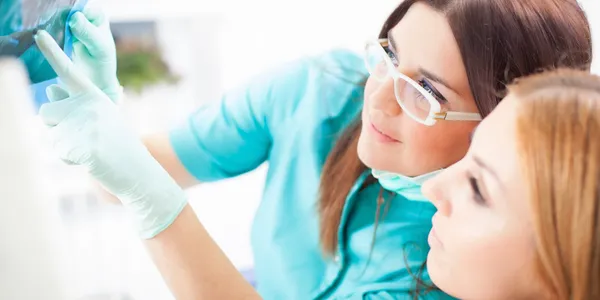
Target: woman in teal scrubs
326, 228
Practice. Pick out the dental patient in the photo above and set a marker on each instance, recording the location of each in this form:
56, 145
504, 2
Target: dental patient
517, 217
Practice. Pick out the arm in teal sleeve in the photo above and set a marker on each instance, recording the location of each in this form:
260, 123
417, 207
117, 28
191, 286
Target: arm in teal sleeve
234, 135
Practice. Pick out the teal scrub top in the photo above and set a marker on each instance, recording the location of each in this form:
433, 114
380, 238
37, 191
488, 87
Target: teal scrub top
290, 117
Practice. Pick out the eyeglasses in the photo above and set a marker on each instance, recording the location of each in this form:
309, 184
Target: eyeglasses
411, 95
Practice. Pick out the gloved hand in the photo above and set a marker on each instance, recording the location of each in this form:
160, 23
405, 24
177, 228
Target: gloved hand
88, 130
94, 50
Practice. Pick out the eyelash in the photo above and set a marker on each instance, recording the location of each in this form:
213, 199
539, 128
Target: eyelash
431, 90
424, 83
391, 55
477, 196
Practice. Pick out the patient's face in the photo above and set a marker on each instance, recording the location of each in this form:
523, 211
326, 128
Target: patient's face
482, 244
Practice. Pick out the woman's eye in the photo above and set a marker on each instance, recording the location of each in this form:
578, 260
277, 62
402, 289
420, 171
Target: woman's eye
394, 59
426, 86
477, 195
391, 55
431, 90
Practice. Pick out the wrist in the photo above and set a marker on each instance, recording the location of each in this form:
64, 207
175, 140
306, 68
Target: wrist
155, 211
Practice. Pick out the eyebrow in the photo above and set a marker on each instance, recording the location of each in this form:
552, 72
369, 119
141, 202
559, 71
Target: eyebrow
436, 78
428, 74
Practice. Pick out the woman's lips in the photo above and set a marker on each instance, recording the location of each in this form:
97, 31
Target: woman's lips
433, 239
381, 136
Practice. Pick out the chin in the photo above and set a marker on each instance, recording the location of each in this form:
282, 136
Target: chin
438, 279
432, 269
441, 278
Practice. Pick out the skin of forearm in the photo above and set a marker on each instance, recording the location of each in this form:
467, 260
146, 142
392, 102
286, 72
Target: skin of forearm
193, 265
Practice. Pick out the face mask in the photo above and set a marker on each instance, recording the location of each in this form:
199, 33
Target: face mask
408, 187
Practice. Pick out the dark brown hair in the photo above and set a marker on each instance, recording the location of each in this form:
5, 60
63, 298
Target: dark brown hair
499, 40
557, 128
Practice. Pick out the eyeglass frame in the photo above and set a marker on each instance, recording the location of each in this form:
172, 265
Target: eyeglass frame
435, 111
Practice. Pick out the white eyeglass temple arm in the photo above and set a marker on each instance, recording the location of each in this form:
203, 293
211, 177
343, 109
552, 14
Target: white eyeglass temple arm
458, 116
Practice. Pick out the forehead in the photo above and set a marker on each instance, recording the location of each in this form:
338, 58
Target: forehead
424, 39
496, 134
495, 143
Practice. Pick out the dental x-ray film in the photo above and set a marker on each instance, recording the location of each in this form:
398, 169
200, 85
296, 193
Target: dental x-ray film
19, 21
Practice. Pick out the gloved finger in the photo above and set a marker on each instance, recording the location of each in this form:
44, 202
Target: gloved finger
88, 34
54, 113
79, 49
95, 15
56, 93
74, 79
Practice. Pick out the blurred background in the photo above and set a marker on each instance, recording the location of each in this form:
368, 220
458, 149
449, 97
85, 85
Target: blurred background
174, 56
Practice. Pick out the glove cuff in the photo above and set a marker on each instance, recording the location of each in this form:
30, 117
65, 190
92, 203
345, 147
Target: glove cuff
115, 94
155, 213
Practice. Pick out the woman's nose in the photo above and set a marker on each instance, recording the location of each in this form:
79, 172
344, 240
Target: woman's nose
383, 98
434, 191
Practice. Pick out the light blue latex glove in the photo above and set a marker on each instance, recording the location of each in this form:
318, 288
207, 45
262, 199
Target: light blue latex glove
94, 50
87, 129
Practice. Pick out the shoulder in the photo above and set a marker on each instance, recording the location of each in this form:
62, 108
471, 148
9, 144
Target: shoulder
342, 64
326, 82
334, 67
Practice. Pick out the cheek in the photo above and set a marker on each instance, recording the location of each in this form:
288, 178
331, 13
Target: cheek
426, 147
438, 146
370, 87
484, 257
